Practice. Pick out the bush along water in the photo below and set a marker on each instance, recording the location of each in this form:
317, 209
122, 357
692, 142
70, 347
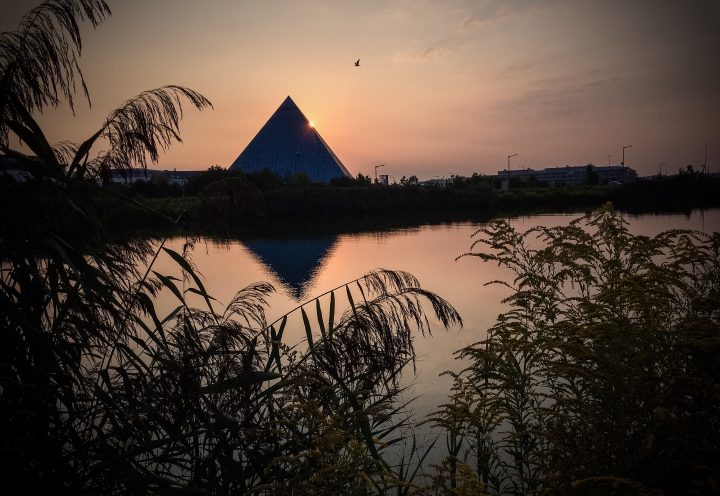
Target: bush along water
603, 376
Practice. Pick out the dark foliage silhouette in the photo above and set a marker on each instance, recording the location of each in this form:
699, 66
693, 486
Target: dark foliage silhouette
101, 395
600, 378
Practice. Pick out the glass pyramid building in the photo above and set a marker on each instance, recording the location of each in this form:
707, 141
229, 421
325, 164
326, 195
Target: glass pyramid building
287, 145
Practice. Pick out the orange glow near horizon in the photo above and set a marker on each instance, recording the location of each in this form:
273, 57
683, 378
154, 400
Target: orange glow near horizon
443, 87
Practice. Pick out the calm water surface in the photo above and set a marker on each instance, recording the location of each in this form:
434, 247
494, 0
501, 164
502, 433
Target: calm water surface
301, 268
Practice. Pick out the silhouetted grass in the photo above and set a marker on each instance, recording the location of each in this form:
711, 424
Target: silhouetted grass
236, 206
100, 394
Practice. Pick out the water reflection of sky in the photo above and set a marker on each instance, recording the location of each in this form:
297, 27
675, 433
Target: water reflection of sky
307, 267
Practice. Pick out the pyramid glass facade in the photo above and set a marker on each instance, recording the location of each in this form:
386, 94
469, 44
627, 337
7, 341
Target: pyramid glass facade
287, 145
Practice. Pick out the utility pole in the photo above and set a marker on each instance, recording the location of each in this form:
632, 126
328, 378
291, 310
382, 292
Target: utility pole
509, 157
663, 163
705, 163
623, 160
608, 160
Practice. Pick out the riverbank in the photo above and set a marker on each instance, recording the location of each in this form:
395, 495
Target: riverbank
233, 207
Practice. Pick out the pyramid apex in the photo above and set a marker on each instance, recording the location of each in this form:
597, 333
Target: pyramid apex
288, 103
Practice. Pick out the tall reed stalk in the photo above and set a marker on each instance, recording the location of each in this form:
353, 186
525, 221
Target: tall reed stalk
99, 394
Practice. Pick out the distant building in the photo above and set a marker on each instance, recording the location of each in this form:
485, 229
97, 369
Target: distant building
288, 144
439, 182
572, 175
130, 176
11, 167
20, 170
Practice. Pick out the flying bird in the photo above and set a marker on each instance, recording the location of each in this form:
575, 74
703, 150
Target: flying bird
357, 64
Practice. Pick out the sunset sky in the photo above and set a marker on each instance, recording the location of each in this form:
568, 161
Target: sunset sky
444, 87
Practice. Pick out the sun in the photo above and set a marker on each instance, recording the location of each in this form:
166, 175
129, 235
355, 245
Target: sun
311, 124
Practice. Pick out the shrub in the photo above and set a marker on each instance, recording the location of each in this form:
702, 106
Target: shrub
603, 375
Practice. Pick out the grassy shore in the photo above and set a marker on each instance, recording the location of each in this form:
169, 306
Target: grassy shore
231, 206
244, 208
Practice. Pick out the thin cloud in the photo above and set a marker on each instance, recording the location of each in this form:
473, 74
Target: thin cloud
516, 68
497, 14
428, 54
481, 22
566, 96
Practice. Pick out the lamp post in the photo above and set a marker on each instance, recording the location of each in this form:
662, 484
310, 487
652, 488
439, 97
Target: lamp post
376, 168
509, 157
623, 160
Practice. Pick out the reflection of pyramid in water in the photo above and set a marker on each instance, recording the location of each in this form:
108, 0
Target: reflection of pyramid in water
287, 145
295, 261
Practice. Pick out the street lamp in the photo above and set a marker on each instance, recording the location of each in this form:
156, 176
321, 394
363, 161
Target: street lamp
376, 168
509, 157
623, 160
